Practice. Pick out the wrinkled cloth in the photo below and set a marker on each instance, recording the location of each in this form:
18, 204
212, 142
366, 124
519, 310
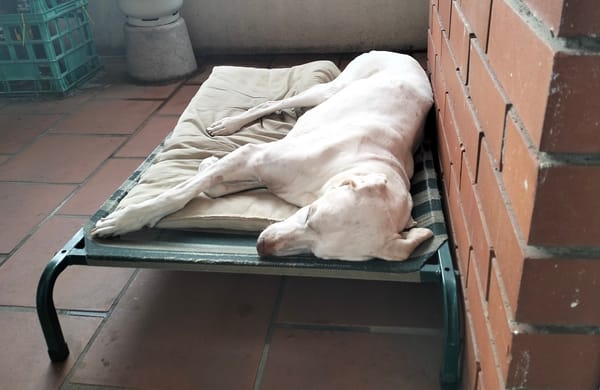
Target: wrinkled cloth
228, 91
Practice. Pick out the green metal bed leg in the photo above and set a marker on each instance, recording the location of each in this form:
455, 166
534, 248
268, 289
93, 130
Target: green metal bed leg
57, 347
450, 373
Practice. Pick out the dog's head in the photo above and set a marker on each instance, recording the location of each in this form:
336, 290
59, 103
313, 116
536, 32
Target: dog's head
358, 219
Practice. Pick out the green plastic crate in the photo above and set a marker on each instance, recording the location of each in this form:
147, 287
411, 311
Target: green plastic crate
46, 52
26, 6
47, 5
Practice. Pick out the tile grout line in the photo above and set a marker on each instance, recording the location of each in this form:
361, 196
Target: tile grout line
85, 386
49, 132
63, 312
78, 185
66, 383
267, 345
38, 225
64, 115
372, 329
17, 309
56, 211
155, 112
42, 134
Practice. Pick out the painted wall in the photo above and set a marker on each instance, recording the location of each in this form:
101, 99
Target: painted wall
108, 27
241, 26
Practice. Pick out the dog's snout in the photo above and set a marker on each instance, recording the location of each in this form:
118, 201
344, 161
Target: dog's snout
264, 247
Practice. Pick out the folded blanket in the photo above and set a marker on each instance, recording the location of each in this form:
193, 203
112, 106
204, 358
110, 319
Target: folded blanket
228, 91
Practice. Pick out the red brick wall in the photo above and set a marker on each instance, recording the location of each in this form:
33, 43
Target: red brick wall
517, 91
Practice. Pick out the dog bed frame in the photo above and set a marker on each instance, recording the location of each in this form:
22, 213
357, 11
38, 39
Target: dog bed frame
218, 248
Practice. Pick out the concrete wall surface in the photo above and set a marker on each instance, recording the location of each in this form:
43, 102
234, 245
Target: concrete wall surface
238, 26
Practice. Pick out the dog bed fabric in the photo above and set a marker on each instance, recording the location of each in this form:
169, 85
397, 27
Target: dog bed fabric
228, 91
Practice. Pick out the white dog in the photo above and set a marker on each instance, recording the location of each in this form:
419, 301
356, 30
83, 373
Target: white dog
347, 163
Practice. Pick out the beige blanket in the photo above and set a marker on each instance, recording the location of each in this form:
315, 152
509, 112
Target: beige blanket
228, 91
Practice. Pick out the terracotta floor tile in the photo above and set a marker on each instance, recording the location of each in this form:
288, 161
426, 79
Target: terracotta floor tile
115, 81
183, 330
179, 101
108, 116
23, 206
174, 329
60, 158
356, 302
100, 186
78, 288
200, 76
47, 105
20, 129
312, 359
135, 91
148, 138
24, 362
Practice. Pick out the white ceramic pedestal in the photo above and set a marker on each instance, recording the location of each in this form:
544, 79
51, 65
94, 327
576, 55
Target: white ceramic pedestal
159, 53
148, 13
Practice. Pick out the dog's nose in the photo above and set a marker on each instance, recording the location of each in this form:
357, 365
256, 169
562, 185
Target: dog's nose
263, 247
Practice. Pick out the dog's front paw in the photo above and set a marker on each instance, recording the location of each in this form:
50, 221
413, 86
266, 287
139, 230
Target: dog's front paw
123, 221
226, 126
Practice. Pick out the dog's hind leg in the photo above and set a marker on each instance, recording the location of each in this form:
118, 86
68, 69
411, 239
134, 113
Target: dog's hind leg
359, 68
308, 98
401, 246
232, 173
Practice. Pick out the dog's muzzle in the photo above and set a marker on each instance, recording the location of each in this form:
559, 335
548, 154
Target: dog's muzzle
264, 247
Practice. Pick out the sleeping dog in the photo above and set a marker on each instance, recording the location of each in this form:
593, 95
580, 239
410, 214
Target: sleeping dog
346, 163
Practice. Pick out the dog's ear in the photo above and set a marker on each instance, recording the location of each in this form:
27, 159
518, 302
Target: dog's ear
400, 246
377, 183
378, 179
371, 181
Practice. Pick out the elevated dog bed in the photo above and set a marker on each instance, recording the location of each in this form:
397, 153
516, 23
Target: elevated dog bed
219, 235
